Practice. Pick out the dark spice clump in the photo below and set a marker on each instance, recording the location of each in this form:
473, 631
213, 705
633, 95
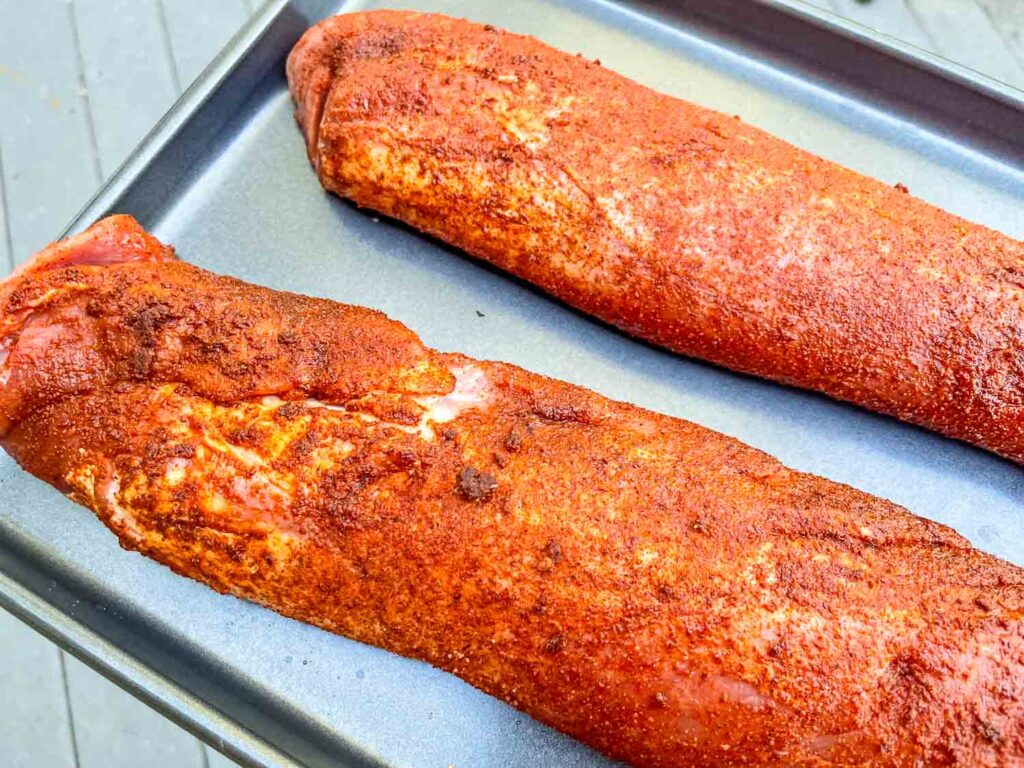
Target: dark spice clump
476, 485
555, 644
289, 410
561, 414
553, 550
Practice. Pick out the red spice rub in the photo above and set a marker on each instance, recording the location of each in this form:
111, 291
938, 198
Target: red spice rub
673, 222
662, 592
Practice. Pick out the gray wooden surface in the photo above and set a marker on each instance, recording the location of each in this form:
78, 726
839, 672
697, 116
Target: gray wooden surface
81, 82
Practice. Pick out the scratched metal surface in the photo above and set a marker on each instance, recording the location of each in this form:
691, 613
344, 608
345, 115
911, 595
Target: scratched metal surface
234, 193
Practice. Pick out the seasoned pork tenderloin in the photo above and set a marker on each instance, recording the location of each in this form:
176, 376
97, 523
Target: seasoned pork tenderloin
664, 593
675, 223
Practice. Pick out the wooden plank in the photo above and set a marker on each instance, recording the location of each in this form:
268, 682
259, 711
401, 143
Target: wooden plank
47, 155
890, 17
128, 72
1007, 16
199, 29
115, 730
35, 728
964, 33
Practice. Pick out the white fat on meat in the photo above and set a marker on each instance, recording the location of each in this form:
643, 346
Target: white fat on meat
472, 390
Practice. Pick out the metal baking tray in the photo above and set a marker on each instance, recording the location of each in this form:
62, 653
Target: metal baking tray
224, 178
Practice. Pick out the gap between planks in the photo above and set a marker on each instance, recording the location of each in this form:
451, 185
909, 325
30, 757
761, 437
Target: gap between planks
83, 94
5, 217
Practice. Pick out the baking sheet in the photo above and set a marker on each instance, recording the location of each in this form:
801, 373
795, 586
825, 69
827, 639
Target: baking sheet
225, 179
